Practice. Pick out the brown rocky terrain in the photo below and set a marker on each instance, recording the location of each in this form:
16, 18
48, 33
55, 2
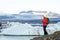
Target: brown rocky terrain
54, 36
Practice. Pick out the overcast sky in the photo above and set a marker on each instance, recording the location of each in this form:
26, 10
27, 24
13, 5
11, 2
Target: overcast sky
15, 6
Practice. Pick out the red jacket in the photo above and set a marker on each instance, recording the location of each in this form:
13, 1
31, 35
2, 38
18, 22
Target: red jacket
45, 21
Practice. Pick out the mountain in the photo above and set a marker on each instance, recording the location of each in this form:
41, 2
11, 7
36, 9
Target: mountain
28, 16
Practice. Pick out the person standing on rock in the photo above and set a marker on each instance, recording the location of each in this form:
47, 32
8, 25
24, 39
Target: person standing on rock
45, 22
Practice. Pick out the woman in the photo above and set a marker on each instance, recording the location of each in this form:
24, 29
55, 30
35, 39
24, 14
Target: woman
45, 22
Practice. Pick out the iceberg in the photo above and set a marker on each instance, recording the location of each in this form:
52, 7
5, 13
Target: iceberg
27, 29
21, 29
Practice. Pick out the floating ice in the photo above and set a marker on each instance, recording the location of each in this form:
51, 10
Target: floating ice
27, 29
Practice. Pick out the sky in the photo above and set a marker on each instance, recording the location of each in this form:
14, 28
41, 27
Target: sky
15, 6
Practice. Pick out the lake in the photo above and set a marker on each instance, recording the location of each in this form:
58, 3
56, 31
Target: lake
16, 37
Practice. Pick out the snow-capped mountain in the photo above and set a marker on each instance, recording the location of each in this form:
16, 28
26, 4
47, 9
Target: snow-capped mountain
28, 16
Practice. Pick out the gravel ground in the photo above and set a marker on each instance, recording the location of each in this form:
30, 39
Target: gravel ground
54, 36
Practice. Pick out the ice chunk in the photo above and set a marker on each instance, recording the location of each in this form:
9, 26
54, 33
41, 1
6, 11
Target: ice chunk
27, 29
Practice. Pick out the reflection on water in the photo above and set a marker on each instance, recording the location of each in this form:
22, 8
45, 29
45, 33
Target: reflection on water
16, 37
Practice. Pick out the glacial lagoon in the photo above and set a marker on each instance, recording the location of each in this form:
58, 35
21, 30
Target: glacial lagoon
16, 37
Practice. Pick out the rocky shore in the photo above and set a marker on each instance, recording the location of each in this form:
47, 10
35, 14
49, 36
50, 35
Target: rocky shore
54, 36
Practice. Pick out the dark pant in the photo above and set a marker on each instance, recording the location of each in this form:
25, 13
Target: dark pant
45, 32
0, 27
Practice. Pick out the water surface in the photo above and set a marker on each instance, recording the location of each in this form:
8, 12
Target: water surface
16, 37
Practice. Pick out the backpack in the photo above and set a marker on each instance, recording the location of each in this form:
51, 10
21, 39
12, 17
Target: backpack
48, 20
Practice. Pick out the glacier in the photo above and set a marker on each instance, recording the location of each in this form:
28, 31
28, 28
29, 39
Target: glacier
27, 29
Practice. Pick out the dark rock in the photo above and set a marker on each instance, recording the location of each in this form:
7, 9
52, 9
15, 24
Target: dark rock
54, 36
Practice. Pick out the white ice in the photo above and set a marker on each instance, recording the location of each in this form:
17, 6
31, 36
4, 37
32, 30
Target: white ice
27, 29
